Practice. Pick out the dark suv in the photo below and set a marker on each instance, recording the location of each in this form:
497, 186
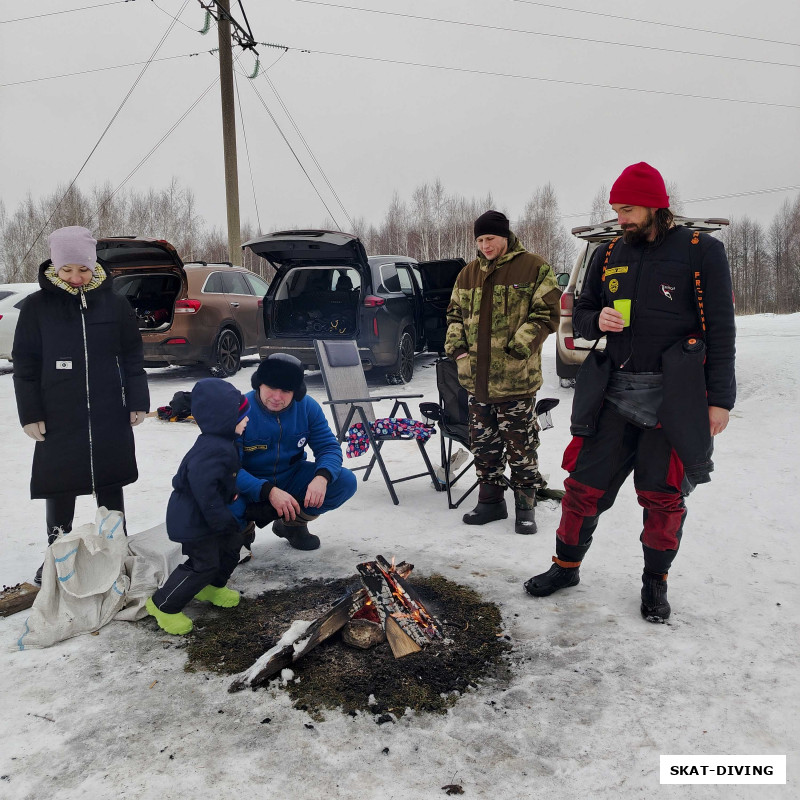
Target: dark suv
326, 287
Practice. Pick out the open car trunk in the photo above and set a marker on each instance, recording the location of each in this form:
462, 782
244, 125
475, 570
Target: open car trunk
149, 273
318, 286
152, 296
316, 303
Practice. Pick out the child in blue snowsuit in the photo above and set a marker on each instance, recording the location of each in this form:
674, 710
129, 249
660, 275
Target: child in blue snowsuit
198, 515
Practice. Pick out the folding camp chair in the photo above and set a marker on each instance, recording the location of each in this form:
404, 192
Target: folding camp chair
350, 402
452, 418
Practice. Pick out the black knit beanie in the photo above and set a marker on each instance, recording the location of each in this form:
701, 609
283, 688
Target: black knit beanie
492, 223
281, 371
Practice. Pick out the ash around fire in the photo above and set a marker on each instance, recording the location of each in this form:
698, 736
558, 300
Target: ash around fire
334, 675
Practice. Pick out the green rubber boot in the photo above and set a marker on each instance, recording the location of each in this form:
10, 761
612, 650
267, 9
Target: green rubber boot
220, 596
176, 624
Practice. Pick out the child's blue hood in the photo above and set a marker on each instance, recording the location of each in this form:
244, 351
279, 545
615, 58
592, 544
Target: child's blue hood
215, 406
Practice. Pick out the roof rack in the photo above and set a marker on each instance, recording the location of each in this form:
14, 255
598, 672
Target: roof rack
602, 230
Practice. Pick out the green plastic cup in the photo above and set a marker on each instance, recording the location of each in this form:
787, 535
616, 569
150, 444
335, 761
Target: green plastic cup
624, 308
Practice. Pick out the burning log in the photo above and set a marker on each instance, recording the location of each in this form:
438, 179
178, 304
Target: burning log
408, 625
303, 637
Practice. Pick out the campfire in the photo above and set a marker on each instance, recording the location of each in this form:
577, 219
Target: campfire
384, 605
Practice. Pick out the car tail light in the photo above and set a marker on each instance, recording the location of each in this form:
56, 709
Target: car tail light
176, 341
569, 343
187, 306
567, 301
261, 302
371, 301
375, 326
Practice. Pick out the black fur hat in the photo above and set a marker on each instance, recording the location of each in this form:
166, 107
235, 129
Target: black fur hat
281, 371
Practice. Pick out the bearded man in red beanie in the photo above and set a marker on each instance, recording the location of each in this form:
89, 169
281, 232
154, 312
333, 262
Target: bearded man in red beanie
653, 401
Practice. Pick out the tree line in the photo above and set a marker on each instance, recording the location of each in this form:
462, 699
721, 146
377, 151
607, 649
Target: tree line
432, 224
765, 262
169, 213
435, 225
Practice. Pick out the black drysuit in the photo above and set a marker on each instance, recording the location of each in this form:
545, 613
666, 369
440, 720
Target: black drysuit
659, 279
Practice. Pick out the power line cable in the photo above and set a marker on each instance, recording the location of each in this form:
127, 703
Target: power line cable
251, 46
293, 152
661, 24
744, 194
102, 135
421, 65
715, 197
180, 22
65, 11
308, 148
549, 35
247, 149
492, 74
104, 69
155, 147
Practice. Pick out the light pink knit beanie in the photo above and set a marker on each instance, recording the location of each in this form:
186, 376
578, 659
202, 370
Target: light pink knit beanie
73, 245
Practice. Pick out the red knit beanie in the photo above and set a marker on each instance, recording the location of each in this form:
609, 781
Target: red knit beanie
640, 185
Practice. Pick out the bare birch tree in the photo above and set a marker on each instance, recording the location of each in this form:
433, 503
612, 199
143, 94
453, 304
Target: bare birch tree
541, 231
601, 210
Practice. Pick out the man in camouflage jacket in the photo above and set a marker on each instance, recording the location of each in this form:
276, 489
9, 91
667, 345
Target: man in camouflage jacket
504, 305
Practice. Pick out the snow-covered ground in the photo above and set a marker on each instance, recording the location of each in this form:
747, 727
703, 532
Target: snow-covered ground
598, 693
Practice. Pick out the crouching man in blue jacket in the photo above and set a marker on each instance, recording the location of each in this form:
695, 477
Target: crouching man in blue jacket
277, 483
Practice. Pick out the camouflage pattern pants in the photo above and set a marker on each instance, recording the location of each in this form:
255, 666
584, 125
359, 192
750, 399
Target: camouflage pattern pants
506, 432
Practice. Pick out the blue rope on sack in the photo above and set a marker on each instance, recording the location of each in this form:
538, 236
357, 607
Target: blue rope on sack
64, 558
25, 633
113, 530
68, 555
114, 587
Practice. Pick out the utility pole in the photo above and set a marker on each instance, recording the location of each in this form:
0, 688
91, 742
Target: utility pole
229, 133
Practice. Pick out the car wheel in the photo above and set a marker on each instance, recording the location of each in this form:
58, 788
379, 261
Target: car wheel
227, 354
402, 371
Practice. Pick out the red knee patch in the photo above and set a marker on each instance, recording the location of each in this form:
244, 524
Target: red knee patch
665, 513
579, 501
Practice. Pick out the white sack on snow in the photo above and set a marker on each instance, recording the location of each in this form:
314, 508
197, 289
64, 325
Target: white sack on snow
151, 558
95, 574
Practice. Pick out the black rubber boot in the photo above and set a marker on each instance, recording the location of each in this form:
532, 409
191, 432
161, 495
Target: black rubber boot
655, 606
51, 537
296, 532
525, 521
557, 577
491, 506
248, 537
525, 507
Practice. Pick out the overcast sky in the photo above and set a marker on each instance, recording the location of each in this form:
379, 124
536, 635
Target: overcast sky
505, 112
